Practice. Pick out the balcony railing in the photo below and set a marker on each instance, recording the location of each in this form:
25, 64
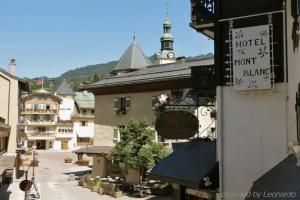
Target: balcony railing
202, 16
39, 111
41, 134
41, 122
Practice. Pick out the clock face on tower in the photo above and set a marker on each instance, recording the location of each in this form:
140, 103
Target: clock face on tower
171, 55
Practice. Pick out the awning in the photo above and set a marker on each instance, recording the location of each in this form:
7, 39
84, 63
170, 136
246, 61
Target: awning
6, 163
283, 179
94, 150
189, 165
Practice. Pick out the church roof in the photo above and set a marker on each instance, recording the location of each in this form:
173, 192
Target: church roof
133, 58
64, 89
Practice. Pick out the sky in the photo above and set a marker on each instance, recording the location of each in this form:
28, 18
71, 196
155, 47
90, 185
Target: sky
50, 37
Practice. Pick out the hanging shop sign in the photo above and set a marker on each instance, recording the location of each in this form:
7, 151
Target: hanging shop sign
176, 124
251, 58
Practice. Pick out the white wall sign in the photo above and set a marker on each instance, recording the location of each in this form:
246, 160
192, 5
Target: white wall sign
251, 58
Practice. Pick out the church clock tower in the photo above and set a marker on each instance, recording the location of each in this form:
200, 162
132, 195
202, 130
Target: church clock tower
167, 53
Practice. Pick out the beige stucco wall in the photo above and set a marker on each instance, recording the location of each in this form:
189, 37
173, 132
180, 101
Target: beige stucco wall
13, 110
253, 135
106, 118
257, 127
4, 88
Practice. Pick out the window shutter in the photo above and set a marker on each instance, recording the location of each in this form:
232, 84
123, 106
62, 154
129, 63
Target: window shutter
127, 103
153, 102
116, 105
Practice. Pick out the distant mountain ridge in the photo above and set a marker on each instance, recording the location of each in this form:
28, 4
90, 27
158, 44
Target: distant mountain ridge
84, 73
80, 75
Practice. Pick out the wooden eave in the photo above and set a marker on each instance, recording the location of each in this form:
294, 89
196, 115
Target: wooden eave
143, 87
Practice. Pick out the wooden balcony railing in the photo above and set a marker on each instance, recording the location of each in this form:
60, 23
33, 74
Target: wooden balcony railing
39, 111
41, 122
41, 134
202, 16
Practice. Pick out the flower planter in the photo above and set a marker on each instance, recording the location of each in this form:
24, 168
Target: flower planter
118, 194
109, 188
100, 190
95, 189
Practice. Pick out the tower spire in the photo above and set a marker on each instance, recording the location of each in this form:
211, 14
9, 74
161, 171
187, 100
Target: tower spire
167, 9
133, 36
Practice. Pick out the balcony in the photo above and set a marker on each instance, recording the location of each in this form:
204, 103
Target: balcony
41, 123
40, 133
36, 135
202, 16
39, 111
64, 135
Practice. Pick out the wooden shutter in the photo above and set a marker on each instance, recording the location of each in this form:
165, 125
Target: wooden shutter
116, 104
153, 102
127, 103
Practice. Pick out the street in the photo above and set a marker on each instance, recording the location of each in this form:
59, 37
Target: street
52, 178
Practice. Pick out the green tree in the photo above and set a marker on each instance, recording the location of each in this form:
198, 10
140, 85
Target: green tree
137, 150
95, 78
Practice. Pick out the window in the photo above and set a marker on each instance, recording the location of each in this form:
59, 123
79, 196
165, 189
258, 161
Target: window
83, 123
36, 106
92, 111
47, 107
35, 118
83, 140
84, 111
154, 102
117, 134
122, 105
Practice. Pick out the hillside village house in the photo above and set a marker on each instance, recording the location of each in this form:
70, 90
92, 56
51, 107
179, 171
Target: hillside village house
132, 94
11, 88
83, 118
65, 138
60, 121
257, 63
40, 112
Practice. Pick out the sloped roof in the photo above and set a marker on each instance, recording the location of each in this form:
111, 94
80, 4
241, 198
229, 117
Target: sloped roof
132, 59
42, 91
85, 100
189, 163
94, 150
23, 83
64, 89
177, 70
283, 178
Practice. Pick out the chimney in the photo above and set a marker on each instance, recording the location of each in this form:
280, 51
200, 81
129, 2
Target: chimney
12, 67
85, 92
